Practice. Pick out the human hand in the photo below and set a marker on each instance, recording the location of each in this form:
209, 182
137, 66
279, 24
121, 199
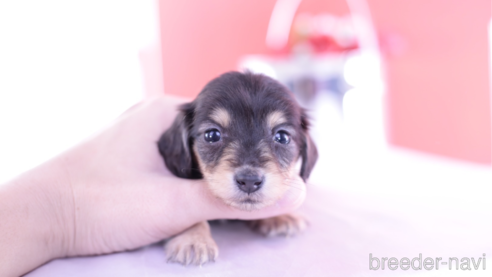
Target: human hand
113, 192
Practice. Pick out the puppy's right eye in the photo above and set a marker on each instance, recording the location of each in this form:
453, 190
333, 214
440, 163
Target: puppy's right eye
212, 135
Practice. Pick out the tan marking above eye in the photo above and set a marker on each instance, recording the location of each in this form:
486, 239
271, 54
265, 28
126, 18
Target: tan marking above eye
221, 116
275, 118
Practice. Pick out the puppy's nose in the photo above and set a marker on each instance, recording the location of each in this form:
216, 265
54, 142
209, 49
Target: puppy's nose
249, 183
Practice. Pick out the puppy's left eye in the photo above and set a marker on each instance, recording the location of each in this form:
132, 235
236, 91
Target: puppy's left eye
212, 135
282, 137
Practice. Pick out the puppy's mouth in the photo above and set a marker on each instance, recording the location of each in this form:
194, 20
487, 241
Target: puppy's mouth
245, 202
248, 204
249, 201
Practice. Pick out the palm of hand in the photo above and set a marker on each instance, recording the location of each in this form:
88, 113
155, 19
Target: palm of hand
123, 195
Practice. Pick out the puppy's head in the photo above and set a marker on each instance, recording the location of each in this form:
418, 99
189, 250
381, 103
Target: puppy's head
243, 134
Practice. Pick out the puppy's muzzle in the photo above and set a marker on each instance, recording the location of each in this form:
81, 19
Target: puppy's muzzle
249, 180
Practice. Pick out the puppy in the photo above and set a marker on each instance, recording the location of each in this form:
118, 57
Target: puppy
243, 134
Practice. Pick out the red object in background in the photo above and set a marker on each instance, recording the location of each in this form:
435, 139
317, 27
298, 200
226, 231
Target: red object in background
324, 43
438, 87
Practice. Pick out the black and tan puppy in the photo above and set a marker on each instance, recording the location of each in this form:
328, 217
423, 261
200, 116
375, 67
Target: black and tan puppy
243, 134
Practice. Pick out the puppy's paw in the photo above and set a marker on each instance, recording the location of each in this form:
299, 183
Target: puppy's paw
194, 246
196, 251
282, 225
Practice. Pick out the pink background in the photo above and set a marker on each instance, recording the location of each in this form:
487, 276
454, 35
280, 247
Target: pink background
438, 98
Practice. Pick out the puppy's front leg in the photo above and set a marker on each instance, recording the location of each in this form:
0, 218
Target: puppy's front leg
193, 246
282, 225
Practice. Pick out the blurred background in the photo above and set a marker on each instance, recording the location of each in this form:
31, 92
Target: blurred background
399, 91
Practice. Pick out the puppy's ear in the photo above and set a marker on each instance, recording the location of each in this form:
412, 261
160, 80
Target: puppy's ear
176, 145
309, 152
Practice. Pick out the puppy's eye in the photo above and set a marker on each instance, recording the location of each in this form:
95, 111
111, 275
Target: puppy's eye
212, 135
282, 137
